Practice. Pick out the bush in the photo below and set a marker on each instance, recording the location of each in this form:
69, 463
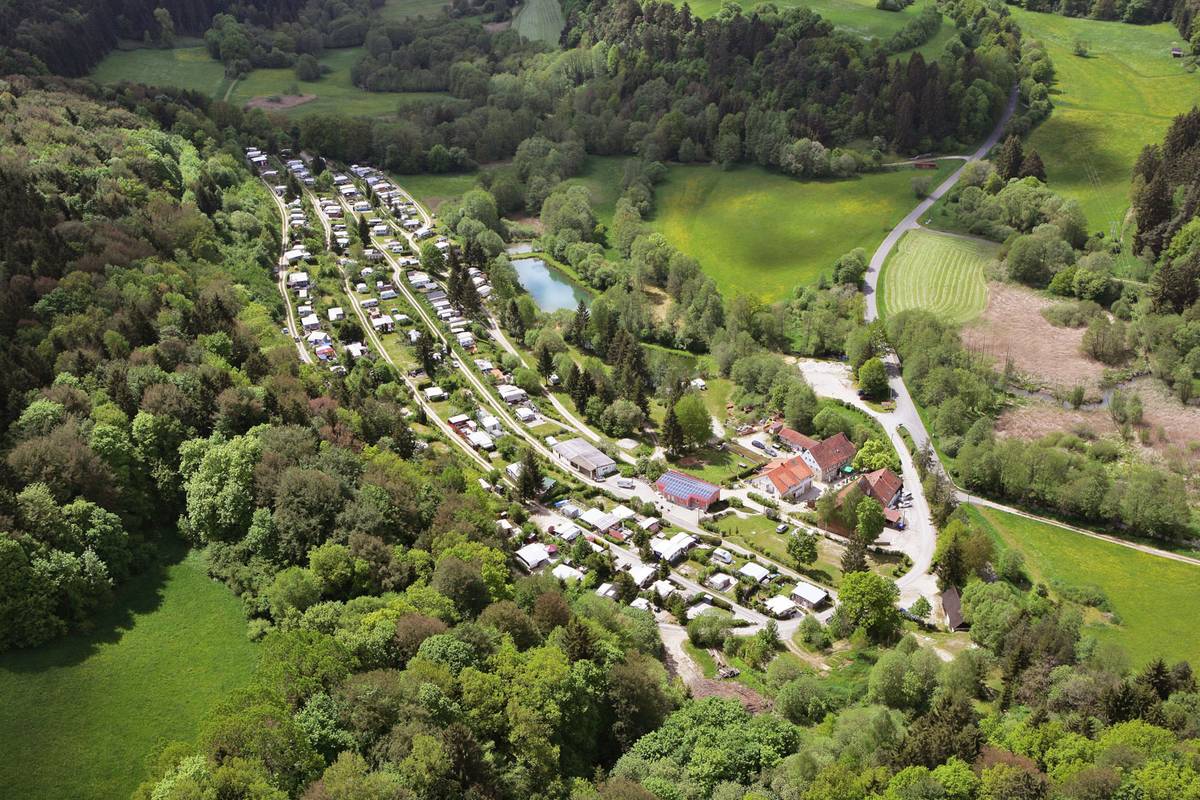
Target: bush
1085, 595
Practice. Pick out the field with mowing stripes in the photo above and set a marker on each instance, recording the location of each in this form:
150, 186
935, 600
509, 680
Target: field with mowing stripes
1107, 106
937, 272
540, 20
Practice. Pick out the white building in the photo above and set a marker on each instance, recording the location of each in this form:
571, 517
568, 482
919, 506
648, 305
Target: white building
780, 606
435, 393
642, 575
673, 549
755, 571
511, 394
808, 595
533, 556
566, 573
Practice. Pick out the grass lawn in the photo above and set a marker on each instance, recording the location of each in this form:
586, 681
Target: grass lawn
716, 466
433, 190
1107, 106
1156, 598
334, 91
185, 67
938, 272
859, 17
540, 21
400, 10
763, 233
80, 715
758, 533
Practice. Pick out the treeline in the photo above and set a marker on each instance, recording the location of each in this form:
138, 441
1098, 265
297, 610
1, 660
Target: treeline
69, 37
282, 38
1139, 12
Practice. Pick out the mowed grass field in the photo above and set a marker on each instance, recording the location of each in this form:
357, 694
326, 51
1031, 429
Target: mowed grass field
1107, 106
192, 68
80, 715
400, 10
1156, 598
184, 67
938, 272
762, 233
540, 21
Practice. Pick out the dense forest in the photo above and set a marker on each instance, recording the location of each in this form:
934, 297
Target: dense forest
69, 37
780, 88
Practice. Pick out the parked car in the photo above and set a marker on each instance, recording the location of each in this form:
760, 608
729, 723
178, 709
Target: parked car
781, 528
758, 443
626, 483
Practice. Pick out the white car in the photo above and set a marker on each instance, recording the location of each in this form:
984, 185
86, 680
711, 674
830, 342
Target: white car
626, 483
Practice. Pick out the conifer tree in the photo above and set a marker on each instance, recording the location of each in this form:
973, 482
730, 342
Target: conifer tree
1008, 159
672, 432
1032, 167
529, 482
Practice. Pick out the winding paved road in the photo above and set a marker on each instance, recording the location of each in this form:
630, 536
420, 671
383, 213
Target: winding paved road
913, 219
905, 412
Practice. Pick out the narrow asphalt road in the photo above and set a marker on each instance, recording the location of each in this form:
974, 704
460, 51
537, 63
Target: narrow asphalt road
913, 219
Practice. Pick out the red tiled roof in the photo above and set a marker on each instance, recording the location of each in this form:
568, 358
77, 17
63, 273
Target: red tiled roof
786, 475
882, 484
797, 439
834, 452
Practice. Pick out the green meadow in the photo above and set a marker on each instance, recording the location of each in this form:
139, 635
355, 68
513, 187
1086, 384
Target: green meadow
334, 91
433, 190
937, 272
184, 67
400, 10
762, 233
859, 17
1107, 106
1155, 597
540, 21
80, 715
192, 68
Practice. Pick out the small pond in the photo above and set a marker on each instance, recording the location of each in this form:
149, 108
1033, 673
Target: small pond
551, 288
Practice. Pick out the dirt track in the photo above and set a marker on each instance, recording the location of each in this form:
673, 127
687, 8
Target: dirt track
681, 664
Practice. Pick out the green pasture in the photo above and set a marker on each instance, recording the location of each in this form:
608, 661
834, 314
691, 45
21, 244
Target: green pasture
937, 272
762, 233
400, 10
859, 17
80, 715
334, 91
1107, 106
1155, 597
433, 190
184, 67
540, 21
192, 68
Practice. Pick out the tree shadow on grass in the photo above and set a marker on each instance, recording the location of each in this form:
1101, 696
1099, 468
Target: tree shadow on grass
141, 594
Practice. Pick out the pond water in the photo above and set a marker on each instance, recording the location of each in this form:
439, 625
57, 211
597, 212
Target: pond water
551, 289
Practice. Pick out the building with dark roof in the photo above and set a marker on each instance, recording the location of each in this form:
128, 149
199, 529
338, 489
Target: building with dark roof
830, 456
952, 610
687, 491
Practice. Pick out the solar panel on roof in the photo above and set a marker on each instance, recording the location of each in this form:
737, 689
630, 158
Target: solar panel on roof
680, 485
